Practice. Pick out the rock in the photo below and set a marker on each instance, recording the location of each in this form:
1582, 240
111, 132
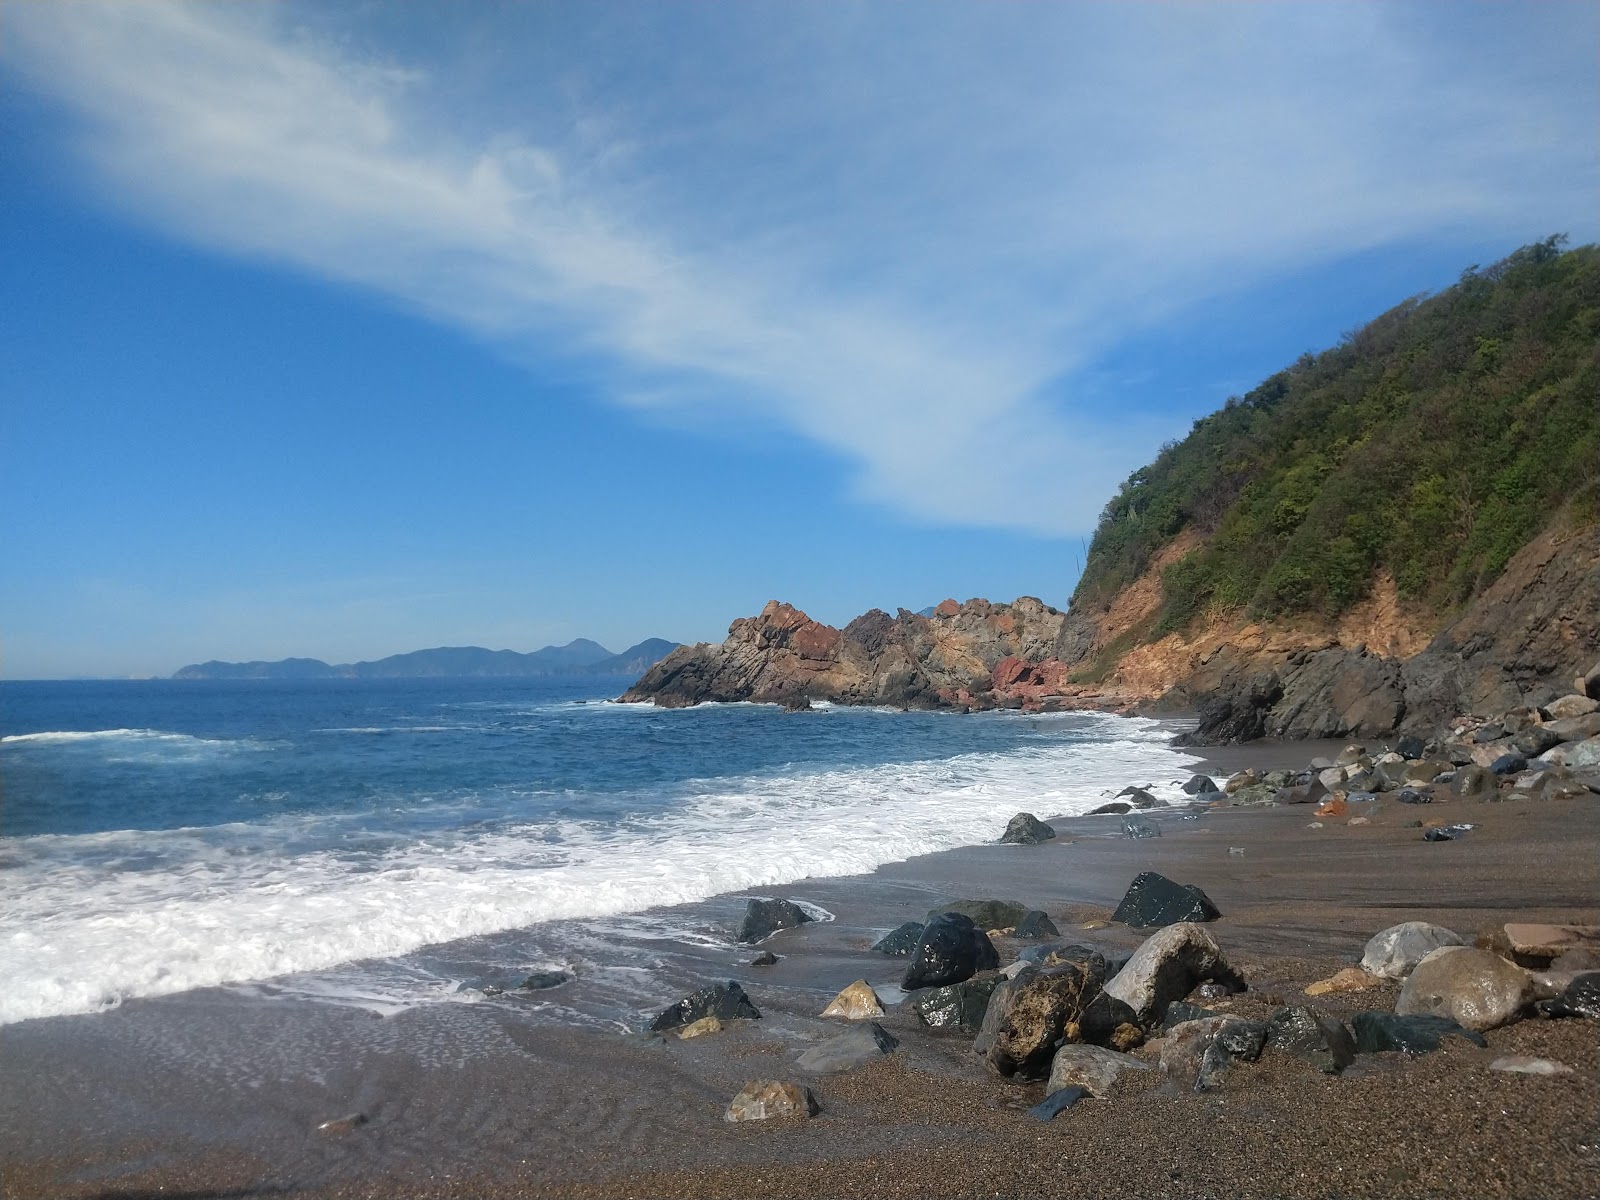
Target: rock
1350, 755
1350, 979
1472, 780
1035, 925
1200, 785
1025, 829
985, 914
1537, 946
1408, 795
1394, 952
1178, 1012
1336, 807
767, 1098
763, 918
1508, 764
1410, 746
1255, 796
1476, 988
1243, 779
854, 1048
1056, 1103
1577, 961
541, 981
1425, 771
1377, 1032
1305, 793
1138, 797
958, 1005
1030, 1014
725, 1001
1138, 827
1577, 729
1568, 707
1581, 999
1109, 1022
1168, 967
699, 1028
340, 1126
1153, 900
1198, 1054
1115, 808
1532, 742
950, 949
858, 1002
1305, 1033
1588, 684
1333, 777
900, 942
765, 959
1521, 1064
1580, 756
1092, 1068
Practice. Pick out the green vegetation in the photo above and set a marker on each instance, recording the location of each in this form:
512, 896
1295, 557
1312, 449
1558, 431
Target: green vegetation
1434, 442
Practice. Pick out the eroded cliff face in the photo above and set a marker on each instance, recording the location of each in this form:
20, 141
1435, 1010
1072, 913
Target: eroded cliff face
1378, 669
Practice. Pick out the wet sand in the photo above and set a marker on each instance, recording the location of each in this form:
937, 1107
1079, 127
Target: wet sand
212, 1093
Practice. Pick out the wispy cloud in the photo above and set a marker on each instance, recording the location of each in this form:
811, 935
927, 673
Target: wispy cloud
894, 232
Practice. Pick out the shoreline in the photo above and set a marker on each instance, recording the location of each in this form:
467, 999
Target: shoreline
209, 1092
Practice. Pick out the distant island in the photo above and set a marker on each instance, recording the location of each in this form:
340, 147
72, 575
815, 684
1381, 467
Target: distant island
578, 657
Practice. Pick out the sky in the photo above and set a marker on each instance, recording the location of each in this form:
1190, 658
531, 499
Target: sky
344, 329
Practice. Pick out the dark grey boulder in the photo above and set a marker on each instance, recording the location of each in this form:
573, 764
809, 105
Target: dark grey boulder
958, 1006
1411, 795
1301, 793
1025, 829
1115, 808
1580, 999
763, 918
1377, 1032
1030, 1013
1410, 746
1138, 827
1137, 797
1199, 1054
1035, 925
1057, 1103
854, 1048
1180, 1011
1153, 901
985, 914
541, 981
765, 959
1508, 764
1103, 1021
950, 949
725, 1001
1305, 1033
1200, 785
899, 943
1532, 742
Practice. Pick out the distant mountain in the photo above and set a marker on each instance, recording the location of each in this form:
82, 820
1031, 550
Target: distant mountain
579, 657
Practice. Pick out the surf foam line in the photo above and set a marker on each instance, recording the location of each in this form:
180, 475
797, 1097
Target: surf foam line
79, 933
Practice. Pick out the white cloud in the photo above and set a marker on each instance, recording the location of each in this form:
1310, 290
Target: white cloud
899, 243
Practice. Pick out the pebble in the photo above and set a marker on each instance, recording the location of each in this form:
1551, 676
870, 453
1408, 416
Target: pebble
342, 1125
1521, 1064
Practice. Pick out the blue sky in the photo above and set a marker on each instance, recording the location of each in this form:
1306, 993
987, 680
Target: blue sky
343, 330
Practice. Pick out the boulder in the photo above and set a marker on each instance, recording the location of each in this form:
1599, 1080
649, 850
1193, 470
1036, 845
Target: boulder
1200, 785
1425, 771
1349, 755
1567, 707
1138, 797
1168, 967
1472, 780
543, 981
950, 949
1115, 808
763, 918
1256, 795
1153, 900
853, 1048
1092, 1068
725, 1001
958, 1006
1110, 1022
1180, 1011
1035, 925
1581, 999
900, 942
1300, 793
1199, 1054
1025, 829
1582, 756
1350, 979
767, 1098
1588, 684
1333, 777
699, 1028
1537, 946
1411, 746
1394, 952
1377, 1032
985, 914
1534, 741
858, 1002
1508, 764
1138, 827
1577, 729
1476, 988
765, 959
1307, 1034
1057, 1103
1029, 1015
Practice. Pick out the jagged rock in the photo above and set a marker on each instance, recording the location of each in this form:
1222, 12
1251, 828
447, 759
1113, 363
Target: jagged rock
767, 1098
1410, 746
1242, 779
1025, 829
1179, 1011
950, 949
1581, 756
1138, 797
1093, 1068
1350, 755
853, 1048
1332, 777
1305, 1033
1537, 946
1568, 707
1200, 785
763, 918
1153, 900
1350, 979
1256, 795
1138, 827
699, 1028
900, 942
1304, 793
1168, 967
1577, 729
1476, 988
1392, 953
725, 1001
1521, 1064
1472, 780
1508, 764
1377, 1032
1581, 999
1031, 1013
1056, 1103
1035, 925
985, 914
858, 1002
765, 959
958, 1005
1531, 743
1115, 808
1198, 1054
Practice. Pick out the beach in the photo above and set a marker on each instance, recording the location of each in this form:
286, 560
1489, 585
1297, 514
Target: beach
213, 1093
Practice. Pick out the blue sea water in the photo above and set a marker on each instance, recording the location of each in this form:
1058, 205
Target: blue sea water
161, 835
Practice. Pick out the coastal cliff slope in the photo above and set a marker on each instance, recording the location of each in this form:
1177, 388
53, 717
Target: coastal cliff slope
1394, 532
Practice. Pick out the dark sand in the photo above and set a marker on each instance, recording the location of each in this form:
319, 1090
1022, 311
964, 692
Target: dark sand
213, 1094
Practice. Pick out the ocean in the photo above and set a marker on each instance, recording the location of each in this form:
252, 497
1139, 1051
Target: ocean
388, 844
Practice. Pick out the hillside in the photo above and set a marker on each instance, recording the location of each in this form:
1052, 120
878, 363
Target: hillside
578, 657
1400, 529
